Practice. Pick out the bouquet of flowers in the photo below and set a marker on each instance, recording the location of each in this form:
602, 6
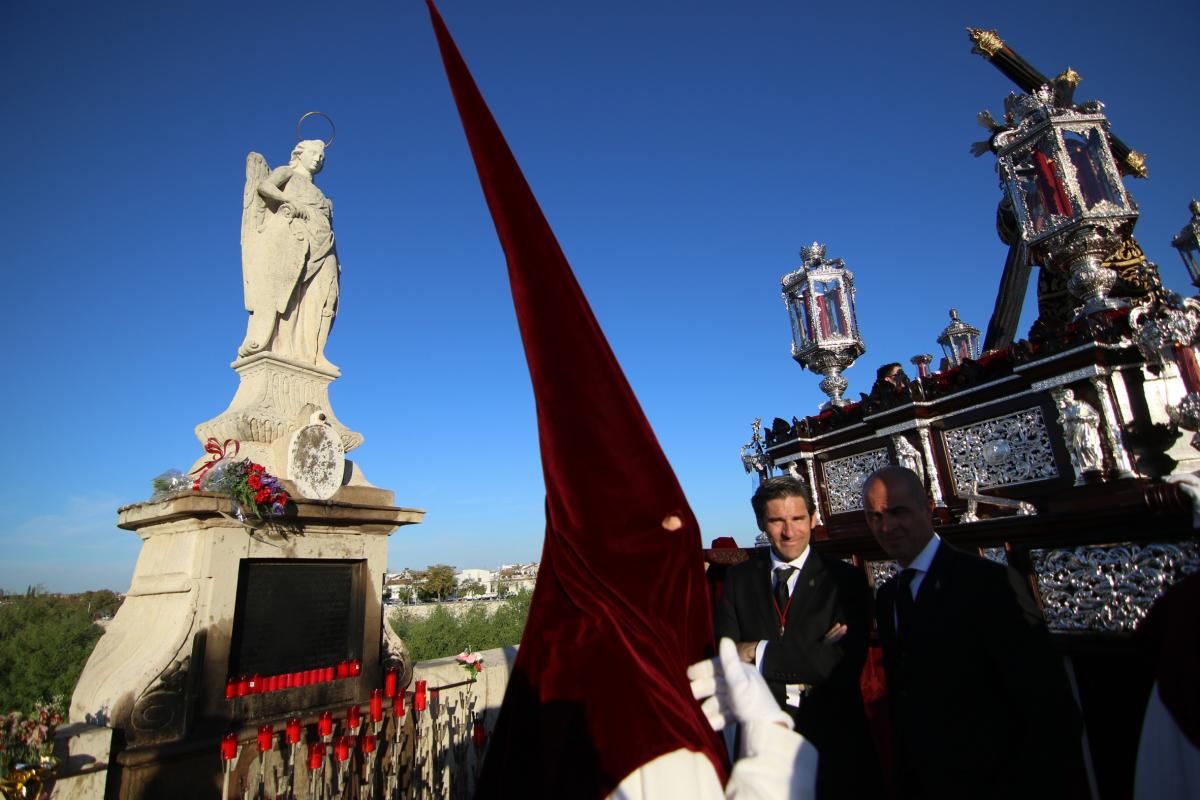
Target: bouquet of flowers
26, 741
471, 662
250, 485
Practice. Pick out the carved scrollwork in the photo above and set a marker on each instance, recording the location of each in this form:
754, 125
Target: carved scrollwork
1107, 588
1002, 451
881, 571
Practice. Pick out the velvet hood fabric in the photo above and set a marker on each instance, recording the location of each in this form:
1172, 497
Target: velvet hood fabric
621, 607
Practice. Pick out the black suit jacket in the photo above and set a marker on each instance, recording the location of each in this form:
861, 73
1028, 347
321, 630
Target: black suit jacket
980, 703
831, 716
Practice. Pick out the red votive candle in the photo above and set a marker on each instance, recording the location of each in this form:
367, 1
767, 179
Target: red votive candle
230, 689
343, 669
316, 754
352, 718
293, 730
389, 683
229, 747
398, 706
325, 724
355, 668
376, 705
341, 750
243, 686
367, 743
479, 734
266, 737
255, 685
270, 683
328, 676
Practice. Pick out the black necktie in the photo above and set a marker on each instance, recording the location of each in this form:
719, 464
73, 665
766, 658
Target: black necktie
782, 593
906, 609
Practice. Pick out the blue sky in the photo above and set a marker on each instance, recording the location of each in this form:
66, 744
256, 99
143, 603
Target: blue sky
683, 153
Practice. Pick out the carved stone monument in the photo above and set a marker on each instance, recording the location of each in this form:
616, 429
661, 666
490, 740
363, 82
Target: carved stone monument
219, 601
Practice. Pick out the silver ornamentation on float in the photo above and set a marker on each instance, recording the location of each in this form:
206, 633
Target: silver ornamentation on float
1002, 451
1161, 327
1186, 414
1107, 588
819, 296
754, 453
997, 554
812, 484
935, 483
975, 499
844, 478
908, 456
1081, 433
1108, 409
882, 571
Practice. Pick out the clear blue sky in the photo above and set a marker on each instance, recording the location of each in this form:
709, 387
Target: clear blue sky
683, 152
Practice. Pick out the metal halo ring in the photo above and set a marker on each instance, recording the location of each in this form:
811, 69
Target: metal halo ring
332, 127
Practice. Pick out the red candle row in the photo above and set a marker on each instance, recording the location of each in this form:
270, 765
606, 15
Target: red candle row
260, 684
266, 733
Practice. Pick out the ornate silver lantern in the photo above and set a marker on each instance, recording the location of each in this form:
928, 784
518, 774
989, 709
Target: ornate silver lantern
959, 340
1057, 167
820, 300
1188, 244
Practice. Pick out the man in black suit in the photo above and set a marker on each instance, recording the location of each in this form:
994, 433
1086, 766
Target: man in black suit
802, 619
981, 706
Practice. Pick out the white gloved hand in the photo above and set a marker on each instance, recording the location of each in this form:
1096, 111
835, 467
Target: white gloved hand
731, 690
1189, 484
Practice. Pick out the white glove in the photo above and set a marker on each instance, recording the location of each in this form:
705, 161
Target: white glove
1189, 484
731, 690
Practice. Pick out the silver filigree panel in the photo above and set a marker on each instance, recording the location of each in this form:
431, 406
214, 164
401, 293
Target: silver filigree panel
1002, 451
996, 554
882, 570
1108, 588
844, 478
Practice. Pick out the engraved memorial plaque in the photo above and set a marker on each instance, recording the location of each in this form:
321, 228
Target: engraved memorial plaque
294, 615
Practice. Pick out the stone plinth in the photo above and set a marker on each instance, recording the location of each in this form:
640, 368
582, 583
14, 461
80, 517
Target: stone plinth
159, 672
276, 396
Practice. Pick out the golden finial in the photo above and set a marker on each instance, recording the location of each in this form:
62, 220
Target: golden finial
1137, 162
1069, 77
987, 43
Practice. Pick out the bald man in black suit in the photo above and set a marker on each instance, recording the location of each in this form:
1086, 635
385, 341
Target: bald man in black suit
981, 706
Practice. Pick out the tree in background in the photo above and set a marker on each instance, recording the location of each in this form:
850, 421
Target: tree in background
436, 582
444, 633
471, 588
44, 642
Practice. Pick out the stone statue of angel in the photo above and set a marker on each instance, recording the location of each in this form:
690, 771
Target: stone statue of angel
1081, 428
290, 268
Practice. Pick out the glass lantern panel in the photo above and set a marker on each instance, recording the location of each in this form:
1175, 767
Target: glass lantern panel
1191, 260
1040, 183
965, 347
798, 312
830, 317
1088, 153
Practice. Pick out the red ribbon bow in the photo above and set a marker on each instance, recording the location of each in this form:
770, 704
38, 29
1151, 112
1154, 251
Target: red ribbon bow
218, 452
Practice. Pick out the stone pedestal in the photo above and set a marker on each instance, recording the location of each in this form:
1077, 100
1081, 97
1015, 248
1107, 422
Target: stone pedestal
275, 397
158, 674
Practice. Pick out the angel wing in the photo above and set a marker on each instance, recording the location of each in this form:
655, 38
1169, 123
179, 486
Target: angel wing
253, 212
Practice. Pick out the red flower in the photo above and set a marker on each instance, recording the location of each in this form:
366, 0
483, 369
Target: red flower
263, 496
254, 481
281, 498
257, 468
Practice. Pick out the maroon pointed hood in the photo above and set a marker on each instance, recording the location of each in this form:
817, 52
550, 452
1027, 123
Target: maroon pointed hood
621, 606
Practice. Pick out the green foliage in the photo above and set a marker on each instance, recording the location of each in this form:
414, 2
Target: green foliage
444, 633
470, 588
436, 582
44, 642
